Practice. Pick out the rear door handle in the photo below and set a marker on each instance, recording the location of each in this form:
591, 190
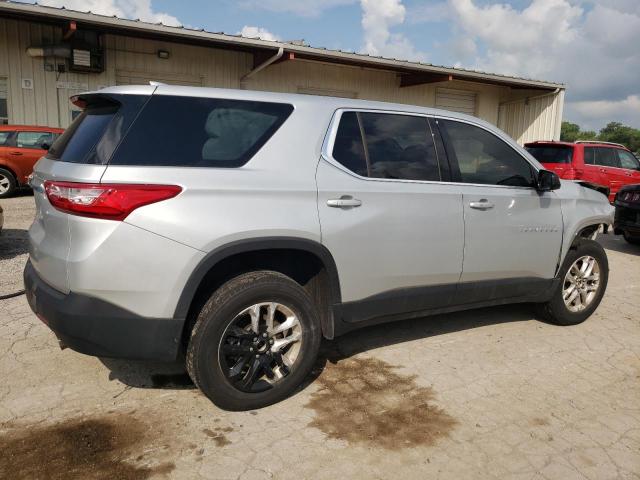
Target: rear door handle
15, 153
345, 201
483, 204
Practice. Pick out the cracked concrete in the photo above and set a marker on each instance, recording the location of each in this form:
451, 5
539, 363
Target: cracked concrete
526, 400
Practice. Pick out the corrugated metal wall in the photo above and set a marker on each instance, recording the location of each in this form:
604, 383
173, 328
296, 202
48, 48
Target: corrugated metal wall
533, 118
134, 60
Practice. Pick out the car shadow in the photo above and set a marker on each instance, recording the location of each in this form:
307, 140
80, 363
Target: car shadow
13, 243
617, 243
173, 376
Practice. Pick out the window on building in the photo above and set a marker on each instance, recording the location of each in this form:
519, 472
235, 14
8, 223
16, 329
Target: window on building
395, 146
34, 139
484, 158
628, 160
4, 107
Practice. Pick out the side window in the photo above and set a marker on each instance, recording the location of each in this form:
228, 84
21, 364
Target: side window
348, 148
628, 160
589, 155
394, 146
4, 138
33, 139
606, 157
400, 147
484, 158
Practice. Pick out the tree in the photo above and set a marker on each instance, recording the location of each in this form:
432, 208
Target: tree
570, 132
618, 133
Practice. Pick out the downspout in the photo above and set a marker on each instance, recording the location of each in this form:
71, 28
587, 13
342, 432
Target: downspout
263, 65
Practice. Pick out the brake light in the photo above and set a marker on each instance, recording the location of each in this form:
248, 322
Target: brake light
106, 201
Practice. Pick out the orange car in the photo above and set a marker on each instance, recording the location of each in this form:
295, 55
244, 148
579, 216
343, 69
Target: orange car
20, 148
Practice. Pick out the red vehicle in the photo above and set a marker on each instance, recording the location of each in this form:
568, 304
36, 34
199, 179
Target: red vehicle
603, 164
20, 148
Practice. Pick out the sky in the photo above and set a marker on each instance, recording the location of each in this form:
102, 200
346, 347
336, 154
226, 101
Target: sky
592, 46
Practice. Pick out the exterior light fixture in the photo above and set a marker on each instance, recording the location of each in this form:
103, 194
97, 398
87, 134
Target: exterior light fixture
164, 54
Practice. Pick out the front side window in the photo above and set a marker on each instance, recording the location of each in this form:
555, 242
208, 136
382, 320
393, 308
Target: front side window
628, 160
384, 145
606, 157
199, 132
33, 139
484, 158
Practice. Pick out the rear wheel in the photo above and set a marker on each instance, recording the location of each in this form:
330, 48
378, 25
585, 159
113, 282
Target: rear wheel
631, 239
584, 275
254, 341
8, 183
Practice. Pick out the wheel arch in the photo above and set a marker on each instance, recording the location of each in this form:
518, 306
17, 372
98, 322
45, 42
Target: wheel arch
278, 253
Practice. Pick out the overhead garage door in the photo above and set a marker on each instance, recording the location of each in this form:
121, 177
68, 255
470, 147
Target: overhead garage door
456, 100
4, 108
124, 77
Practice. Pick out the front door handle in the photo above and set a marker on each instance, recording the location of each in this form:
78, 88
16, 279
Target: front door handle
483, 204
346, 201
15, 153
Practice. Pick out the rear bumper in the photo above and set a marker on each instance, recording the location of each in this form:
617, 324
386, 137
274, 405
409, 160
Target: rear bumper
94, 327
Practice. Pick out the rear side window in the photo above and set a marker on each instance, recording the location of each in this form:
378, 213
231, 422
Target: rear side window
589, 155
199, 132
606, 157
551, 153
394, 146
484, 158
4, 138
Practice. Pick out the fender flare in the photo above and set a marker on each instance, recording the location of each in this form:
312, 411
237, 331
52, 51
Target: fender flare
256, 244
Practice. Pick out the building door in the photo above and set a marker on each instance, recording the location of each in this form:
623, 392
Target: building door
4, 105
460, 101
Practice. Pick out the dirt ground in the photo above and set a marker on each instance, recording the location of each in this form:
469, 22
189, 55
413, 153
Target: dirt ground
488, 393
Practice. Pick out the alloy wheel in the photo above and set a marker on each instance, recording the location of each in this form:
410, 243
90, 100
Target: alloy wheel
5, 184
260, 346
581, 283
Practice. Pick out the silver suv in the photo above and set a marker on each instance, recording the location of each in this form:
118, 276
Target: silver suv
234, 230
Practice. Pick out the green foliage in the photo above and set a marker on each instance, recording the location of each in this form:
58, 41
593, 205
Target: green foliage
614, 132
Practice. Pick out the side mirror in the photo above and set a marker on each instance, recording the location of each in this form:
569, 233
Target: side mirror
548, 181
45, 146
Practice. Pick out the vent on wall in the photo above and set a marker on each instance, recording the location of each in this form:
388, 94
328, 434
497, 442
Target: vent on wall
460, 101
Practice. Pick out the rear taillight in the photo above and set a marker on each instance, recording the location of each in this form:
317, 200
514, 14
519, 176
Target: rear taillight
106, 201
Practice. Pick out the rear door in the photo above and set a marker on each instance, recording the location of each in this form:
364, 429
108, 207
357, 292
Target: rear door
78, 155
513, 233
393, 227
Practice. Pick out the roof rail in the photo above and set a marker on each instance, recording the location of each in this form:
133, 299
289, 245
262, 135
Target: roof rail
603, 143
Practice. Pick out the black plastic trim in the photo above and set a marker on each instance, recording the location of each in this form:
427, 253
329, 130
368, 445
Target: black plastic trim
405, 303
255, 245
95, 327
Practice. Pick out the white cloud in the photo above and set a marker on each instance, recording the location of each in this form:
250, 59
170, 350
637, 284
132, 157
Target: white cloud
378, 17
258, 32
591, 45
132, 9
308, 8
592, 114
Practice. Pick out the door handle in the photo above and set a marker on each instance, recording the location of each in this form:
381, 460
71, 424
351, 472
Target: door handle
603, 170
483, 204
15, 153
346, 201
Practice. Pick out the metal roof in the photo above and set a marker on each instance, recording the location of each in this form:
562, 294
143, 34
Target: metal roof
117, 25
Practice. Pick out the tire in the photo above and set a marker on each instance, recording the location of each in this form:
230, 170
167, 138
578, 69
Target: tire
226, 324
556, 310
631, 239
8, 183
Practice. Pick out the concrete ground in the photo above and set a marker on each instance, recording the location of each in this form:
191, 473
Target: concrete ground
489, 393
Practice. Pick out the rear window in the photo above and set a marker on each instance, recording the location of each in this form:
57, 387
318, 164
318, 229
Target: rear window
199, 132
552, 153
94, 134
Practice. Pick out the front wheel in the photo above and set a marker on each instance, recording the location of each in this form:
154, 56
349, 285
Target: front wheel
584, 275
8, 183
254, 341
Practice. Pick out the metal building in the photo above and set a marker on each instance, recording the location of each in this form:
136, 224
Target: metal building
49, 54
